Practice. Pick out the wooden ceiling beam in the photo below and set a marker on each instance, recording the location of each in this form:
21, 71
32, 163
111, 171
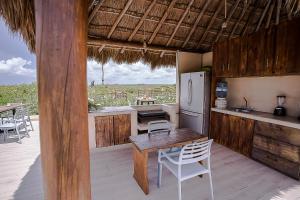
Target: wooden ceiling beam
101, 49
238, 22
263, 15
196, 23
212, 20
270, 15
180, 21
161, 21
94, 11
119, 18
142, 20
250, 18
228, 18
279, 3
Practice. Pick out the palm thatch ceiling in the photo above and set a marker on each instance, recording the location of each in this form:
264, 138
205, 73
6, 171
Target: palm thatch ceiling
152, 30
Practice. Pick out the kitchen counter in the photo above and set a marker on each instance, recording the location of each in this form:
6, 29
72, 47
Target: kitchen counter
105, 111
264, 117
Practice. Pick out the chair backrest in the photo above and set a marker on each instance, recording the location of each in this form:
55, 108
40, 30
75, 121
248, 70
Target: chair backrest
195, 152
20, 113
160, 126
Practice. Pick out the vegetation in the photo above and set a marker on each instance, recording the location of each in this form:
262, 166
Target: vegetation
102, 95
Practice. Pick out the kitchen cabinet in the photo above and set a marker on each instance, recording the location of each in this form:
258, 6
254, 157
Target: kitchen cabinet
220, 56
281, 48
269, 56
112, 130
256, 52
234, 57
278, 147
233, 132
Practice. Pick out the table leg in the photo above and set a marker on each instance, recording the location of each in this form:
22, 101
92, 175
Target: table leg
140, 174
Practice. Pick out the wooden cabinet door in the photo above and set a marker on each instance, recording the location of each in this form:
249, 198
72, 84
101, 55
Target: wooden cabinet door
235, 129
246, 136
122, 128
281, 49
269, 60
219, 130
234, 57
293, 44
220, 56
256, 53
244, 56
104, 131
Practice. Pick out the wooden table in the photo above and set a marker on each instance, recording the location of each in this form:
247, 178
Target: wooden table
12, 107
143, 144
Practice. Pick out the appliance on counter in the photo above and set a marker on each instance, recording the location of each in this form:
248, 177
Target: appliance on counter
280, 110
194, 101
221, 93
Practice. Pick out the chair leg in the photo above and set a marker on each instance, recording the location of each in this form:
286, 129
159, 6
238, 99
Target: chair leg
30, 123
211, 187
179, 189
26, 129
17, 130
159, 174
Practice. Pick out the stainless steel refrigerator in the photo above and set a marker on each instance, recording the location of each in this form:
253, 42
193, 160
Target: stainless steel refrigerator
195, 101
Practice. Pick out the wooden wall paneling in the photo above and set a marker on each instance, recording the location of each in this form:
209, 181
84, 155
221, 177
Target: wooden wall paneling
293, 44
244, 56
61, 51
269, 60
275, 162
104, 131
122, 128
234, 57
256, 52
281, 49
281, 149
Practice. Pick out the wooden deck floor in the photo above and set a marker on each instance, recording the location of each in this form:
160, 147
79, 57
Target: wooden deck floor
234, 176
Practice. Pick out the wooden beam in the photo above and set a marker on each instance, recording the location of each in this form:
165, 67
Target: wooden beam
279, 3
212, 20
61, 52
142, 20
119, 18
101, 48
180, 21
250, 18
263, 15
196, 23
161, 21
128, 45
228, 18
238, 22
270, 15
94, 11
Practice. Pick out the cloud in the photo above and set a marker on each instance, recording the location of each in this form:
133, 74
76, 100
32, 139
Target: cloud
137, 73
16, 70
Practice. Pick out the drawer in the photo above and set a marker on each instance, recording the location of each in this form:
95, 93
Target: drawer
277, 132
282, 149
285, 166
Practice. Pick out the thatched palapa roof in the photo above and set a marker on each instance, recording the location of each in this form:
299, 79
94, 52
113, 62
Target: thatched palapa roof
152, 30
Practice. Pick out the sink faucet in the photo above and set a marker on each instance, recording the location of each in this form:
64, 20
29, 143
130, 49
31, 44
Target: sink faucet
246, 102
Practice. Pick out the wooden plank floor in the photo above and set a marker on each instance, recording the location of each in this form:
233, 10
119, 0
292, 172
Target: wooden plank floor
234, 176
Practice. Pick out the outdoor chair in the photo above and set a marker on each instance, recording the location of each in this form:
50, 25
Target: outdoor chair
25, 110
15, 124
159, 127
185, 164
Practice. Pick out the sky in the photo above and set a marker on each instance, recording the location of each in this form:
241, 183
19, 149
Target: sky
18, 65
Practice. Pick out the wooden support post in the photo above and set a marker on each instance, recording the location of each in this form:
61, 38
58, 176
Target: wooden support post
61, 34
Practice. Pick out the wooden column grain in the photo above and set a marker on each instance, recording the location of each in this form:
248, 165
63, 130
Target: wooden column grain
61, 37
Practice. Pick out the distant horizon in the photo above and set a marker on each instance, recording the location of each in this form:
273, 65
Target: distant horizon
18, 66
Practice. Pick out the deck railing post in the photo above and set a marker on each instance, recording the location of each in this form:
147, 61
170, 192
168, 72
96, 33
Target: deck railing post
61, 38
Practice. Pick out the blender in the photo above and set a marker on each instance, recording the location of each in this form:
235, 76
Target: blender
280, 110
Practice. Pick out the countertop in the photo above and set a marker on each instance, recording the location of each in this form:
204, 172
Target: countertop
113, 111
264, 117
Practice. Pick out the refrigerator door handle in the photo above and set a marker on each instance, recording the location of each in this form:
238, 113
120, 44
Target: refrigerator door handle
190, 114
190, 92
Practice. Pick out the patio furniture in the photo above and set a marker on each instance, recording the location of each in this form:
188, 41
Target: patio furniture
25, 110
185, 164
143, 145
15, 124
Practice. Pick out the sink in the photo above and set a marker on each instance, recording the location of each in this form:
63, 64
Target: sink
242, 110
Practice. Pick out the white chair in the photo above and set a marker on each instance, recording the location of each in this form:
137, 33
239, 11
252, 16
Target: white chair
16, 124
158, 127
185, 164
25, 110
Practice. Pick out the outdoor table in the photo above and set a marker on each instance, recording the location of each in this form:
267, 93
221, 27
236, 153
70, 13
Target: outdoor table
12, 107
144, 144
